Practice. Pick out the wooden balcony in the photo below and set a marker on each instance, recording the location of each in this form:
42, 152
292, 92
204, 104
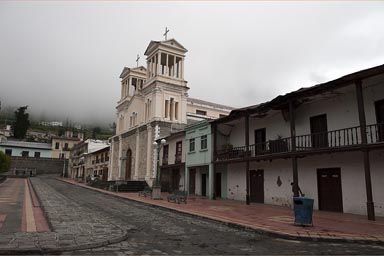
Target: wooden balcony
336, 140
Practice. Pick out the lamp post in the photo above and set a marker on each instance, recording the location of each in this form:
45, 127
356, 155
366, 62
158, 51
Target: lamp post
156, 188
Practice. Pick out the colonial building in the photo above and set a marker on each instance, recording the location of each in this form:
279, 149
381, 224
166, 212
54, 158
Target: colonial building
97, 163
172, 162
17, 148
80, 160
62, 145
154, 103
325, 140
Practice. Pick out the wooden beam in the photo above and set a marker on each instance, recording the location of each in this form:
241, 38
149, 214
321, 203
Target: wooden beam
246, 120
363, 133
293, 149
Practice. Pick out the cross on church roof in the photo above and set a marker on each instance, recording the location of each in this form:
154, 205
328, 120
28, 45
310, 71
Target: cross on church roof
166, 32
137, 60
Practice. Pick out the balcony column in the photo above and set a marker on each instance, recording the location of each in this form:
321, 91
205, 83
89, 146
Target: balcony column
247, 196
212, 172
363, 133
293, 149
186, 180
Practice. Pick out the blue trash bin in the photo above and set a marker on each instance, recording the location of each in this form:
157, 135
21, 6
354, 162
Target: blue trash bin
303, 208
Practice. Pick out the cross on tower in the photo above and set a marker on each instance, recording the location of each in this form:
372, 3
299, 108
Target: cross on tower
166, 32
137, 60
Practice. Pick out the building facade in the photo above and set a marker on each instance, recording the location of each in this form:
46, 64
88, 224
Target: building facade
325, 141
154, 103
17, 148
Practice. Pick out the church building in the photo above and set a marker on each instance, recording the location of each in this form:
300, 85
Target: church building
154, 103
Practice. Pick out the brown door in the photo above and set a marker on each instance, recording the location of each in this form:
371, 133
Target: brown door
165, 180
218, 184
204, 184
379, 106
329, 189
319, 131
260, 138
192, 181
257, 186
105, 173
175, 179
128, 165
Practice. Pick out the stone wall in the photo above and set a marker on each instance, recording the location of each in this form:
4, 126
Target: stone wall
42, 165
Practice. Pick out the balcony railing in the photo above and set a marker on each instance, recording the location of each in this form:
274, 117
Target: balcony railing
347, 137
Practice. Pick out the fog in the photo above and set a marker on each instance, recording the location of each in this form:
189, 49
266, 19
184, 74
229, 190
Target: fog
63, 59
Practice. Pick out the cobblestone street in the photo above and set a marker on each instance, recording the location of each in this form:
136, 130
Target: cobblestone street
150, 230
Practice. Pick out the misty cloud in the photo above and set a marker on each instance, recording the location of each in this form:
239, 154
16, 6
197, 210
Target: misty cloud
64, 58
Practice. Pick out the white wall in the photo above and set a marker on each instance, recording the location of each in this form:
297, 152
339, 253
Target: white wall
352, 179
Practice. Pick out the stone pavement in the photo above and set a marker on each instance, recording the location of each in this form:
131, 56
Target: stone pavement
73, 226
272, 220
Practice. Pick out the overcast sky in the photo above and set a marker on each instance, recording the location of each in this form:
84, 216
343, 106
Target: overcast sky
65, 58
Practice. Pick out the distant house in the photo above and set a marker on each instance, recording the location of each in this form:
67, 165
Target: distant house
80, 164
17, 148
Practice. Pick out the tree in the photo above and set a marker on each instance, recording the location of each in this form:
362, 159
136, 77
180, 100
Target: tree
5, 162
21, 125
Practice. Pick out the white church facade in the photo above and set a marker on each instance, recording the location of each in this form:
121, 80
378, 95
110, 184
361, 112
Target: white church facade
153, 98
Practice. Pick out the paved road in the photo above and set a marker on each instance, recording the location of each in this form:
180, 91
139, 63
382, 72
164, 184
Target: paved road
155, 231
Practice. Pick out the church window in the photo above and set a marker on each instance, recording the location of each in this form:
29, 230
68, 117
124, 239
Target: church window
171, 109
166, 108
57, 145
176, 110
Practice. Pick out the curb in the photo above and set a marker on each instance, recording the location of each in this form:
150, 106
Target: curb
244, 227
59, 250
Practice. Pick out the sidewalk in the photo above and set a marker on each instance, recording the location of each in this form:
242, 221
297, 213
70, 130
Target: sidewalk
269, 219
19, 208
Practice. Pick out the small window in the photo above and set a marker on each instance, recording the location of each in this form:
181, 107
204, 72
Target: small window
66, 145
57, 145
8, 152
37, 154
201, 112
203, 142
62, 156
191, 145
24, 153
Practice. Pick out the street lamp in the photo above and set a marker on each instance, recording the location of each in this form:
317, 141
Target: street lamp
156, 188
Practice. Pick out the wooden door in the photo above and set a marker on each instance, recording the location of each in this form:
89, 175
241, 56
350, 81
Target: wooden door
257, 186
175, 179
128, 165
105, 174
329, 189
260, 138
165, 178
192, 181
204, 184
218, 184
319, 129
379, 107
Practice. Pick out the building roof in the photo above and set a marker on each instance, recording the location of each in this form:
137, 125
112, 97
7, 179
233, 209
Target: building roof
169, 43
65, 138
281, 101
25, 144
208, 103
106, 148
